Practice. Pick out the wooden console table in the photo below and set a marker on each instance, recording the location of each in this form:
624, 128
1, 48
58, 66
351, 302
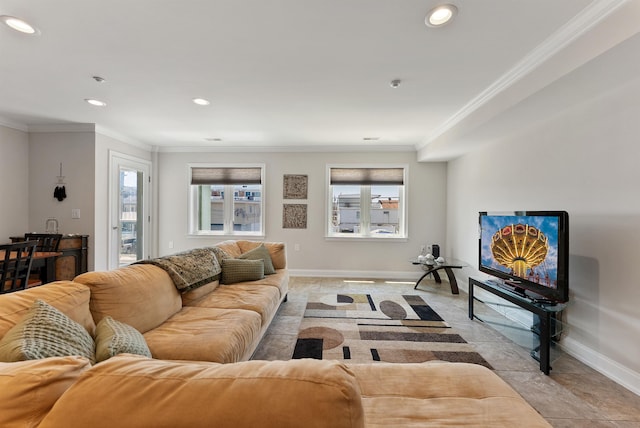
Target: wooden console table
73, 256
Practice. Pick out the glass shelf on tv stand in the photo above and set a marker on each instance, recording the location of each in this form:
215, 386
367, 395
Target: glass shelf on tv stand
519, 318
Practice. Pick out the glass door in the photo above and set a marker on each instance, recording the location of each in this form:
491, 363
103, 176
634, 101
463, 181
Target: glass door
129, 204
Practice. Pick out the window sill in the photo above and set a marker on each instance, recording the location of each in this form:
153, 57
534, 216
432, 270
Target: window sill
367, 238
259, 236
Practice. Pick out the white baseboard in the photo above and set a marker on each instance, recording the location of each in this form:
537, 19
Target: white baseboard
353, 274
613, 370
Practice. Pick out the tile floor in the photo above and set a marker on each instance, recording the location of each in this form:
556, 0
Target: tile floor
574, 395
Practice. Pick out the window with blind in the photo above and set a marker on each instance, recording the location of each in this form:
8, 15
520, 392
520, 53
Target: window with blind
366, 201
226, 200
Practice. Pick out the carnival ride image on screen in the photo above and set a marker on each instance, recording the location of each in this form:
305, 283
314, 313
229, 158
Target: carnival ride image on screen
525, 247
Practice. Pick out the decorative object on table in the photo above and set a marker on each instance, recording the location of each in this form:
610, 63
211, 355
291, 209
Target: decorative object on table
294, 186
440, 260
294, 216
51, 225
435, 250
60, 192
429, 259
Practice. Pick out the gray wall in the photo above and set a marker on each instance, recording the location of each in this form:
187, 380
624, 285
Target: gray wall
14, 183
317, 255
584, 161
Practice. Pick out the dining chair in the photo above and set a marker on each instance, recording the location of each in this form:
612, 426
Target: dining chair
46, 241
15, 265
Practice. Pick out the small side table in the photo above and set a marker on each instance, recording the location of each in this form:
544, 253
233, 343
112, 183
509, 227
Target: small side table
434, 267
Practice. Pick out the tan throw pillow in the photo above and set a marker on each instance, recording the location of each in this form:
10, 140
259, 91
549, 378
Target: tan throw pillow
260, 253
240, 270
114, 337
45, 332
29, 389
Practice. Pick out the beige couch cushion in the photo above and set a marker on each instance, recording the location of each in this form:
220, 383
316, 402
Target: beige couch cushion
142, 296
230, 247
258, 298
68, 297
265, 394
439, 394
206, 334
276, 250
198, 293
29, 389
279, 280
45, 332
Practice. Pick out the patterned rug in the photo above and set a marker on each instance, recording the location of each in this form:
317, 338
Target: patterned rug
362, 328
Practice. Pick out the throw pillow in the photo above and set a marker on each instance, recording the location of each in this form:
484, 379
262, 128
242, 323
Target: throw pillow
260, 253
114, 337
239, 270
45, 332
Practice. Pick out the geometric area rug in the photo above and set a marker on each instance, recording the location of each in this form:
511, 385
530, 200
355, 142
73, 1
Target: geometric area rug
365, 328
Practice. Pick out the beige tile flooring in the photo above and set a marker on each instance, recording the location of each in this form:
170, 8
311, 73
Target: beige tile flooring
574, 395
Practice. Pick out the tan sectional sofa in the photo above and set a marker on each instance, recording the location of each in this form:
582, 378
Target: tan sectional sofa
198, 391
219, 323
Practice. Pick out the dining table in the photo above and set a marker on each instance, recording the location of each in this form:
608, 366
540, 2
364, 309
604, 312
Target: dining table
45, 263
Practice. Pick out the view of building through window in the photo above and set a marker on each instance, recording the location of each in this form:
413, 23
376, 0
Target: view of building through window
347, 214
247, 202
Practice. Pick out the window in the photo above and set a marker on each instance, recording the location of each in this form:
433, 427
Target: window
226, 200
366, 202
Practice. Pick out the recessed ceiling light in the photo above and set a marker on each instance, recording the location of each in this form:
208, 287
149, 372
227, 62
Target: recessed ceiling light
95, 102
440, 15
371, 138
19, 24
213, 139
201, 101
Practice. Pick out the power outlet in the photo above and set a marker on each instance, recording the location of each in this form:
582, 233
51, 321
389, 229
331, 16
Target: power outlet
296, 247
75, 213
170, 244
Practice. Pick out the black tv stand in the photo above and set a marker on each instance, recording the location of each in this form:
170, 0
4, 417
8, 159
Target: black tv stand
543, 309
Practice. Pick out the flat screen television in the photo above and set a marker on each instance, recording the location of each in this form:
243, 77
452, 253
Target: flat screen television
528, 251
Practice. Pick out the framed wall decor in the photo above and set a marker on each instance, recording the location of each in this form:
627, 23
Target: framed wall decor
294, 216
294, 186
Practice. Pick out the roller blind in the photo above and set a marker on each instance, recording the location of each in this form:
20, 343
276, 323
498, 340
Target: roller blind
371, 176
208, 176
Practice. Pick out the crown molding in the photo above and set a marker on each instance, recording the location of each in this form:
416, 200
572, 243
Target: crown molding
290, 149
124, 139
580, 24
70, 127
13, 125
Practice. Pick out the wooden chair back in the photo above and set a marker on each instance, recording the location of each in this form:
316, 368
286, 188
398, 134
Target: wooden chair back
46, 241
15, 265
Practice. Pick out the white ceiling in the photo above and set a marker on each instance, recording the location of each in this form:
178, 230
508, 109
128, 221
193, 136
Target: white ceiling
293, 74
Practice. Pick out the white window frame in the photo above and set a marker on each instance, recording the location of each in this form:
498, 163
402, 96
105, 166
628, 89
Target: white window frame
194, 204
365, 206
